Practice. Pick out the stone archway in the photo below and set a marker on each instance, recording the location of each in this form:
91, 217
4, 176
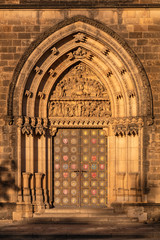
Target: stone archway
123, 107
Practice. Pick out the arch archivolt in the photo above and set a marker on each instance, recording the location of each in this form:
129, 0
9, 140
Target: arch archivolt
117, 61
116, 82
112, 66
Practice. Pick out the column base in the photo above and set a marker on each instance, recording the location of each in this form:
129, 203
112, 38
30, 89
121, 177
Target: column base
23, 210
39, 207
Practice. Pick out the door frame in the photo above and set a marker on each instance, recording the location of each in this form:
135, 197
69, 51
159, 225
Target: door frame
52, 162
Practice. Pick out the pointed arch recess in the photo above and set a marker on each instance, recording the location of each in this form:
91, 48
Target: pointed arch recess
114, 65
109, 56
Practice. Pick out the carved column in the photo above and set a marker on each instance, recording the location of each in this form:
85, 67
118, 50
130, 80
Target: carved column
105, 130
45, 191
19, 153
52, 132
50, 187
39, 191
120, 186
24, 209
133, 183
26, 189
42, 165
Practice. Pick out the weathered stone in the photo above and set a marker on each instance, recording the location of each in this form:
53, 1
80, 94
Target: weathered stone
135, 35
18, 28
140, 29
24, 35
142, 42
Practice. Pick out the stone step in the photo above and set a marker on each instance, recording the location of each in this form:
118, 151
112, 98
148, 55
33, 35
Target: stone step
80, 210
67, 217
93, 215
83, 220
80, 215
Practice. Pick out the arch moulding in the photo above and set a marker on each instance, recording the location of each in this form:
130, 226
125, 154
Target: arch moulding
80, 74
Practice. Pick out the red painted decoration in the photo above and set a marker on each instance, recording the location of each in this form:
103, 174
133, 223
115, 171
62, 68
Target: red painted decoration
65, 158
93, 191
65, 174
73, 166
94, 174
93, 140
102, 166
57, 166
85, 166
94, 158
65, 191
65, 140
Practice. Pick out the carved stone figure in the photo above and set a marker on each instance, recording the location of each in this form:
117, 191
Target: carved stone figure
79, 94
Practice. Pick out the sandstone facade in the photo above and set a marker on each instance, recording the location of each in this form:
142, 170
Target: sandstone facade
122, 46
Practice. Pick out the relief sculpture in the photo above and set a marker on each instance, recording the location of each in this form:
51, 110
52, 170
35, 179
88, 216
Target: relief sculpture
79, 94
79, 108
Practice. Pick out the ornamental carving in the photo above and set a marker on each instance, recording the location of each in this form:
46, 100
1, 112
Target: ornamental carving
96, 25
106, 52
131, 94
54, 51
123, 130
38, 70
39, 126
41, 95
80, 37
127, 126
27, 129
79, 94
39, 129
28, 93
80, 53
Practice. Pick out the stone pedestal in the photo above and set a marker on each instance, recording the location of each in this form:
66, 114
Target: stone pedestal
19, 198
26, 189
24, 209
120, 187
45, 192
39, 206
33, 188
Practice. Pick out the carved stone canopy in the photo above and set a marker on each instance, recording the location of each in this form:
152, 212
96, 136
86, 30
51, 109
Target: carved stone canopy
79, 94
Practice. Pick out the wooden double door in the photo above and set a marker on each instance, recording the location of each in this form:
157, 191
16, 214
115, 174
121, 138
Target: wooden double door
80, 168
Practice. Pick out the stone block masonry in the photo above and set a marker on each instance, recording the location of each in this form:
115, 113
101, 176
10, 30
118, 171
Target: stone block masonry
19, 28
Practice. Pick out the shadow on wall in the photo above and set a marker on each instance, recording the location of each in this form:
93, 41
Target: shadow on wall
7, 182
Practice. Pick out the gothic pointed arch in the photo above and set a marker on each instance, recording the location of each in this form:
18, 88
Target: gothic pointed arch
80, 38
80, 75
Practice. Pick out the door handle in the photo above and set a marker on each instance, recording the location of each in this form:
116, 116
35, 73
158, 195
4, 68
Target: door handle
77, 172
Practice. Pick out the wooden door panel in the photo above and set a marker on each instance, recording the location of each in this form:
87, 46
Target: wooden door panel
93, 168
66, 167
80, 168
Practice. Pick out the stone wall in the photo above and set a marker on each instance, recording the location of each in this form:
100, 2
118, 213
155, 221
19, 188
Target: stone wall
81, 3
141, 30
